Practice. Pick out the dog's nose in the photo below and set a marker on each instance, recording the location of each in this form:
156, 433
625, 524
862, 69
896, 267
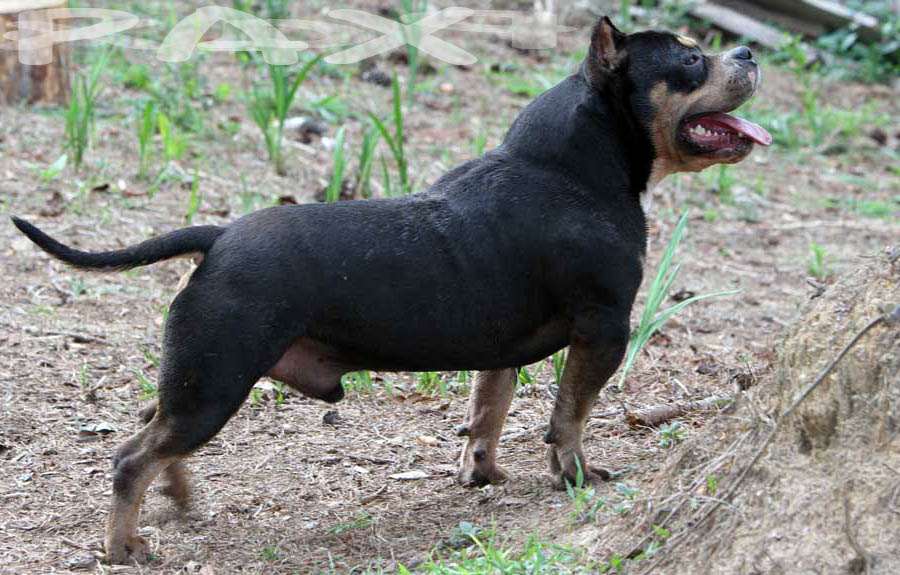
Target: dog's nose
742, 53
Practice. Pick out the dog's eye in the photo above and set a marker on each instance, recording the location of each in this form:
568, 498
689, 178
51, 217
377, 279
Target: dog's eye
692, 60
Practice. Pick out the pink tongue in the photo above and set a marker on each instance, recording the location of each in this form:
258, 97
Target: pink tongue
753, 131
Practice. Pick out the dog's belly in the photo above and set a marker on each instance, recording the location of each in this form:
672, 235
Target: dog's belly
311, 368
435, 352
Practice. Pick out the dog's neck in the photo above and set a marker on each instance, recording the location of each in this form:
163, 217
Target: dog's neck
586, 133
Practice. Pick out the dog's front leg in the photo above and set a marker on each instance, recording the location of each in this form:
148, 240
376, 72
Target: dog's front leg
488, 406
588, 367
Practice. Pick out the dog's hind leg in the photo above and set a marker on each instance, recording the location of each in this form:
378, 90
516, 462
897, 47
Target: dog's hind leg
488, 405
212, 357
188, 415
136, 465
177, 486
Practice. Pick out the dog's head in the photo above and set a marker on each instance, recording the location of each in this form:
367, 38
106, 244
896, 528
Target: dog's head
678, 95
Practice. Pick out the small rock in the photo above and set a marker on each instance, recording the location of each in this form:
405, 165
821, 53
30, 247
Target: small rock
375, 75
427, 440
99, 428
81, 562
410, 475
305, 129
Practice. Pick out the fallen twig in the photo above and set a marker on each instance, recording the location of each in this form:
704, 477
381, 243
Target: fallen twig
656, 416
372, 497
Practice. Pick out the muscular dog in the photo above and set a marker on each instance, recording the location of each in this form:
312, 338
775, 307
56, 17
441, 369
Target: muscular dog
536, 246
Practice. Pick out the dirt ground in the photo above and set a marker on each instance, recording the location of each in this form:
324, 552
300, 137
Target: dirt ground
280, 489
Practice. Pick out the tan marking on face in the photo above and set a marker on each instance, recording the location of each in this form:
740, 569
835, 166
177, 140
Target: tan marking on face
685, 41
671, 108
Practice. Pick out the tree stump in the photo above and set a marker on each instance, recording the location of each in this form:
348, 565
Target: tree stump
25, 76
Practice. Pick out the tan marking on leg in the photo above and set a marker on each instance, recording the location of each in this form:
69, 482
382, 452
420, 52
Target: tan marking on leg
178, 486
123, 544
577, 393
138, 463
488, 406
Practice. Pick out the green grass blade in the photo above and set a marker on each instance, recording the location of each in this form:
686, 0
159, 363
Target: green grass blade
333, 192
651, 318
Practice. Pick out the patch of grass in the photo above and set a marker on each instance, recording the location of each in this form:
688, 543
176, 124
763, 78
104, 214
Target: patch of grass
339, 164
80, 113
193, 200
867, 208
523, 376
151, 357
222, 92
818, 262
270, 553
558, 361
396, 141
174, 145
585, 502
359, 382
180, 94
479, 143
136, 77
488, 557
333, 109
146, 129
269, 107
463, 379
411, 9
147, 387
712, 485
652, 319
628, 495
54, 170
278, 9
431, 383
671, 433
279, 388
865, 61
77, 286
362, 520
721, 180
366, 163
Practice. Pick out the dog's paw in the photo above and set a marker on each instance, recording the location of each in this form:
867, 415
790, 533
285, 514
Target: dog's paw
478, 474
133, 550
594, 477
564, 468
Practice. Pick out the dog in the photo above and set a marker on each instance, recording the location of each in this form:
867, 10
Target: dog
536, 246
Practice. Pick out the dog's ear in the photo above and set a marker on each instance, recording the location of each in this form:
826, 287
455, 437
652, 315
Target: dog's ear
606, 53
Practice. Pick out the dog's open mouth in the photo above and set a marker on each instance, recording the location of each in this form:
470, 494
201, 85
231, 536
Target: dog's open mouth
718, 132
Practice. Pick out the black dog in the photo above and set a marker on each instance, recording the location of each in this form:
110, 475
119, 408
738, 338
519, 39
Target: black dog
536, 246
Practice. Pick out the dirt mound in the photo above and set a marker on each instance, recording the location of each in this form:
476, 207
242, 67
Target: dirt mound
797, 478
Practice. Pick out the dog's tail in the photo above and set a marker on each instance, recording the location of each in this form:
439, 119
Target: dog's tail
173, 244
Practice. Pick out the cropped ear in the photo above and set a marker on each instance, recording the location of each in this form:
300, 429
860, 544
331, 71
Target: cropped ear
607, 51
